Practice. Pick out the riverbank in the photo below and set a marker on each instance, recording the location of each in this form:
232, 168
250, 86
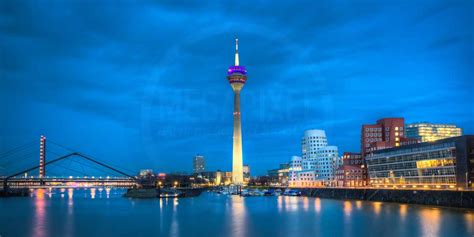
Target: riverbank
446, 198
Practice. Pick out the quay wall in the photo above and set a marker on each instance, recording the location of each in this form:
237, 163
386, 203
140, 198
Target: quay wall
447, 198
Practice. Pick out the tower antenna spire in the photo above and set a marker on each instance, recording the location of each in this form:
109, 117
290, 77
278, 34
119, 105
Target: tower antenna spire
236, 52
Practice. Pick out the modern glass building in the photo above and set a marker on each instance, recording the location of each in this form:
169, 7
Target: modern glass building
446, 163
428, 132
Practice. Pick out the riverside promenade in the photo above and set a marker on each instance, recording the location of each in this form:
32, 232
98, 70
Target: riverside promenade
446, 198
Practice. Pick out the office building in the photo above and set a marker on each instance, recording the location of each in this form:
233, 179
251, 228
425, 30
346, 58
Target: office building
279, 176
429, 132
352, 172
199, 164
386, 133
445, 163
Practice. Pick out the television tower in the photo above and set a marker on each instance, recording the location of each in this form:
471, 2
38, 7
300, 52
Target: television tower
237, 76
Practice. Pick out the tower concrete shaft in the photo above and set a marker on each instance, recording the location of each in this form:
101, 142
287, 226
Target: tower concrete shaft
237, 76
237, 161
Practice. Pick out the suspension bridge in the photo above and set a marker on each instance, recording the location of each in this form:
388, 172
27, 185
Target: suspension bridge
27, 166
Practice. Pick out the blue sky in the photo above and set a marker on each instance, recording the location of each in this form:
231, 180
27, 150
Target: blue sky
143, 84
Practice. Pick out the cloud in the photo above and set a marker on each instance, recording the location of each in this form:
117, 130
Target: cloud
157, 69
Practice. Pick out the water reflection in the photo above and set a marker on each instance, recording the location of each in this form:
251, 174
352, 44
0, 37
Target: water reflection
291, 203
107, 192
347, 208
469, 217
280, 203
430, 221
39, 229
70, 211
93, 193
174, 222
238, 217
403, 211
305, 204
377, 207
317, 205
70, 193
232, 216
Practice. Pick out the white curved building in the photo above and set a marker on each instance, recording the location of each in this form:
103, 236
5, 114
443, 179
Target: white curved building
318, 161
295, 167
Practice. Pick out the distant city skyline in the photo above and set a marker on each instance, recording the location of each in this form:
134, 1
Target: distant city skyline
143, 85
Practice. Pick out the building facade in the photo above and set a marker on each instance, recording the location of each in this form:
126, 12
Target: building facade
352, 172
387, 132
429, 132
351, 176
246, 171
293, 170
318, 161
279, 176
446, 163
199, 164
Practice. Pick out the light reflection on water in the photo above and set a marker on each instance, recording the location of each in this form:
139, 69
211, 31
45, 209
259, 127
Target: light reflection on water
403, 211
305, 203
317, 205
430, 221
95, 209
40, 212
238, 216
377, 207
469, 217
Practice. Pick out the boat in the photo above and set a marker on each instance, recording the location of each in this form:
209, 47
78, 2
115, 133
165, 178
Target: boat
171, 193
270, 192
256, 192
290, 192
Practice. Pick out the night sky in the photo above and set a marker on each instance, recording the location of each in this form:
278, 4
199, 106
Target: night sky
144, 85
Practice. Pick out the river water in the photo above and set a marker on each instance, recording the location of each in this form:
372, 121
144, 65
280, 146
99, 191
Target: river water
104, 212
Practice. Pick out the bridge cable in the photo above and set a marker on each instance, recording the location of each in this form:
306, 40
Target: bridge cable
95, 158
71, 160
16, 149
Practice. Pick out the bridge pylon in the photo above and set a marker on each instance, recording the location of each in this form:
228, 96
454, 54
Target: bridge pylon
42, 157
